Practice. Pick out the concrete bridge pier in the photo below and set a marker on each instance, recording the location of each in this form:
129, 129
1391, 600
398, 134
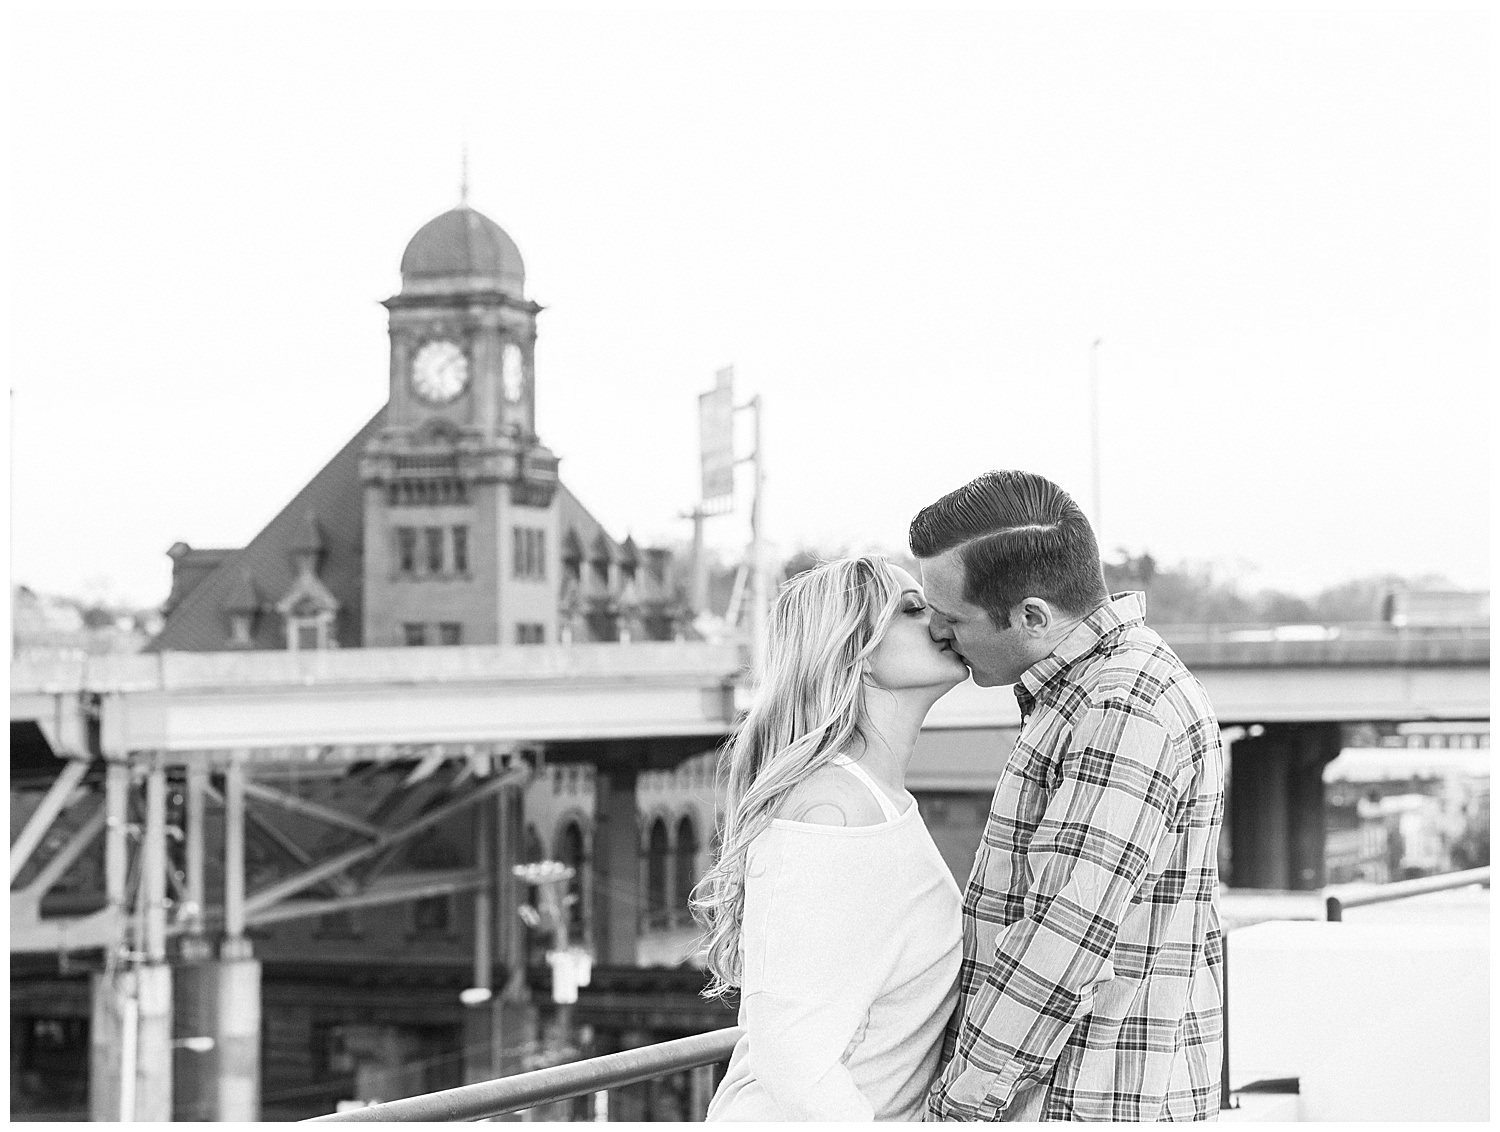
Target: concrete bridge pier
130, 1071
1276, 824
219, 999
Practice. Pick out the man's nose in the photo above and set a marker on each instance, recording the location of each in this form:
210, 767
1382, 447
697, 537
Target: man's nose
938, 630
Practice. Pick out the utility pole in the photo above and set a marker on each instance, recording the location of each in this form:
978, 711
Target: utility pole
716, 410
1094, 438
759, 591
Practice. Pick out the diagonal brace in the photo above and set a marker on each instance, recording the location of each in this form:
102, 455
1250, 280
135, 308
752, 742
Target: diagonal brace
310, 809
281, 890
283, 841
441, 885
58, 795
63, 859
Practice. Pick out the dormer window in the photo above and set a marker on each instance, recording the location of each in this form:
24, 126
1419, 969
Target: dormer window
241, 629
313, 632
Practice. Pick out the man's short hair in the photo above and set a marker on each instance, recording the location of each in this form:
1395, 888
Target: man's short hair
1019, 535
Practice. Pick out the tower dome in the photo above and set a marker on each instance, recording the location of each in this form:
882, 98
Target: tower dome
462, 250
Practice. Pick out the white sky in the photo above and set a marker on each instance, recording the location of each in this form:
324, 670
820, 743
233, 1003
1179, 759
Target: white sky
903, 229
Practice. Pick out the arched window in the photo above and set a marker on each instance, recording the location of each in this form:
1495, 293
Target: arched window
570, 852
686, 872
656, 876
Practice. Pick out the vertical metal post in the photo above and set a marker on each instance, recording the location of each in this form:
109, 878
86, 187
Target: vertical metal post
154, 864
1225, 1098
234, 851
195, 888
1335, 908
1094, 437
116, 844
129, 1031
759, 593
484, 908
700, 564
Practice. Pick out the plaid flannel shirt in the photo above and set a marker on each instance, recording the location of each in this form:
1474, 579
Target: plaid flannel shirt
1091, 979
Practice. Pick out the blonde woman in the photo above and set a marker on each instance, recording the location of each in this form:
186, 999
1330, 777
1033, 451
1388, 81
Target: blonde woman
830, 908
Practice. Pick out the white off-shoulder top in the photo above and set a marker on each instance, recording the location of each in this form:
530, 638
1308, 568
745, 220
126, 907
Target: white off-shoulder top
851, 942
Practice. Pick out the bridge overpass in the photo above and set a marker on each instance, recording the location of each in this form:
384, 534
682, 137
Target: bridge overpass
126, 722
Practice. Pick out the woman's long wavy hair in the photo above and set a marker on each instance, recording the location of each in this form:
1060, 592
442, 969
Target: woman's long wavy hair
809, 706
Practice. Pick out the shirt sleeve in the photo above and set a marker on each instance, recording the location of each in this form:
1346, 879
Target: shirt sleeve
1087, 858
814, 964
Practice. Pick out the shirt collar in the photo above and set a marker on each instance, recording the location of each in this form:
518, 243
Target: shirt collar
1121, 610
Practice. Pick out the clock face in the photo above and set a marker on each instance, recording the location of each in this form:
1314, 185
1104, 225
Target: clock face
440, 371
512, 377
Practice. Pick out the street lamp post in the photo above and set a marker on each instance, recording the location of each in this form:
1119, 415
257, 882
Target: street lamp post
1094, 437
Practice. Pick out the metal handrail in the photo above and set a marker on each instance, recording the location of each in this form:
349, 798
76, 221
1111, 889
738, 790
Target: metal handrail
555, 1083
1401, 889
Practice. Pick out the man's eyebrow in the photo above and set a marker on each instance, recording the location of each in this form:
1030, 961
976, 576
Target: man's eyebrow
936, 608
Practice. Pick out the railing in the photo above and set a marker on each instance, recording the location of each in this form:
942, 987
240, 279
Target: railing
555, 1083
1224, 631
629, 1067
1401, 889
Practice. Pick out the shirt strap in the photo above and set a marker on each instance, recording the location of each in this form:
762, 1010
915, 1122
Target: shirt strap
887, 807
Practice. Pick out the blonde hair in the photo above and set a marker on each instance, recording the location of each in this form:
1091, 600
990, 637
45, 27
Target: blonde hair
808, 707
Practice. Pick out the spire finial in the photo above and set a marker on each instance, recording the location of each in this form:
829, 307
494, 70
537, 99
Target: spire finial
463, 180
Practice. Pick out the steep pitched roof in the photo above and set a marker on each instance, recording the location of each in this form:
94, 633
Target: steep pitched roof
336, 497
574, 516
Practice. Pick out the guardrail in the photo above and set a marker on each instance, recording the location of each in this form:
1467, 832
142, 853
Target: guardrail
555, 1083
1401, 889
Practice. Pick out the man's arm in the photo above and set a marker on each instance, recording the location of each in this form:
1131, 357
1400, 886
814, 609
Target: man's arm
1087, 858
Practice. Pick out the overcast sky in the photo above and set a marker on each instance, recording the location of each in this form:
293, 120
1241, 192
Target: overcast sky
904, 230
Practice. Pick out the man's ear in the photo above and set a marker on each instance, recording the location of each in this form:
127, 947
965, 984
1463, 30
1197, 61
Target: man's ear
1036, 615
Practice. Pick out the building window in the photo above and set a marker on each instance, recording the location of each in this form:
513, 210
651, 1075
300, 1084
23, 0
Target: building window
529, 553
570, 852
432, 915
307, 633
434, 549
239, 629
450, 633
406, 549
656, 876
686, 870
460, 550
338, 925
415, 632
530, 633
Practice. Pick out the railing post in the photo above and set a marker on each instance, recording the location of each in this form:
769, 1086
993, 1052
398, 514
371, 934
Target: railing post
1335, 909
1226, 1100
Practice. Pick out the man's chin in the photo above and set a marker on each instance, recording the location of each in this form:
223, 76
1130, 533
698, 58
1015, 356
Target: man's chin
987, 679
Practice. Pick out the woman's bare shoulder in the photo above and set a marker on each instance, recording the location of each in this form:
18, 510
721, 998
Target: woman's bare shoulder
831, 796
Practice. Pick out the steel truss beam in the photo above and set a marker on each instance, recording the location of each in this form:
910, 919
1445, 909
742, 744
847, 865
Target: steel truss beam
284, 841
440, 884
310, 809
274, 894
54, 802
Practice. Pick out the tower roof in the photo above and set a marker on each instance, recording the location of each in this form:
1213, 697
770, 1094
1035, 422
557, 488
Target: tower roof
462, 250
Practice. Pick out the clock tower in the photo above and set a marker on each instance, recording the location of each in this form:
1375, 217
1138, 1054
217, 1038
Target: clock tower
461, 529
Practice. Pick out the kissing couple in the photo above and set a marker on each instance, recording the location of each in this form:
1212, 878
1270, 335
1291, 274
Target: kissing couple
1079, 975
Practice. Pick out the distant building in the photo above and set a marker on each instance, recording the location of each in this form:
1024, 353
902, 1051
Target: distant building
48, 627
1422, 608
444, 520
1396, 814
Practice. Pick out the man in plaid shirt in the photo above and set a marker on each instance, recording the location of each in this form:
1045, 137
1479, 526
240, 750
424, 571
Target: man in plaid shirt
1093, 961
